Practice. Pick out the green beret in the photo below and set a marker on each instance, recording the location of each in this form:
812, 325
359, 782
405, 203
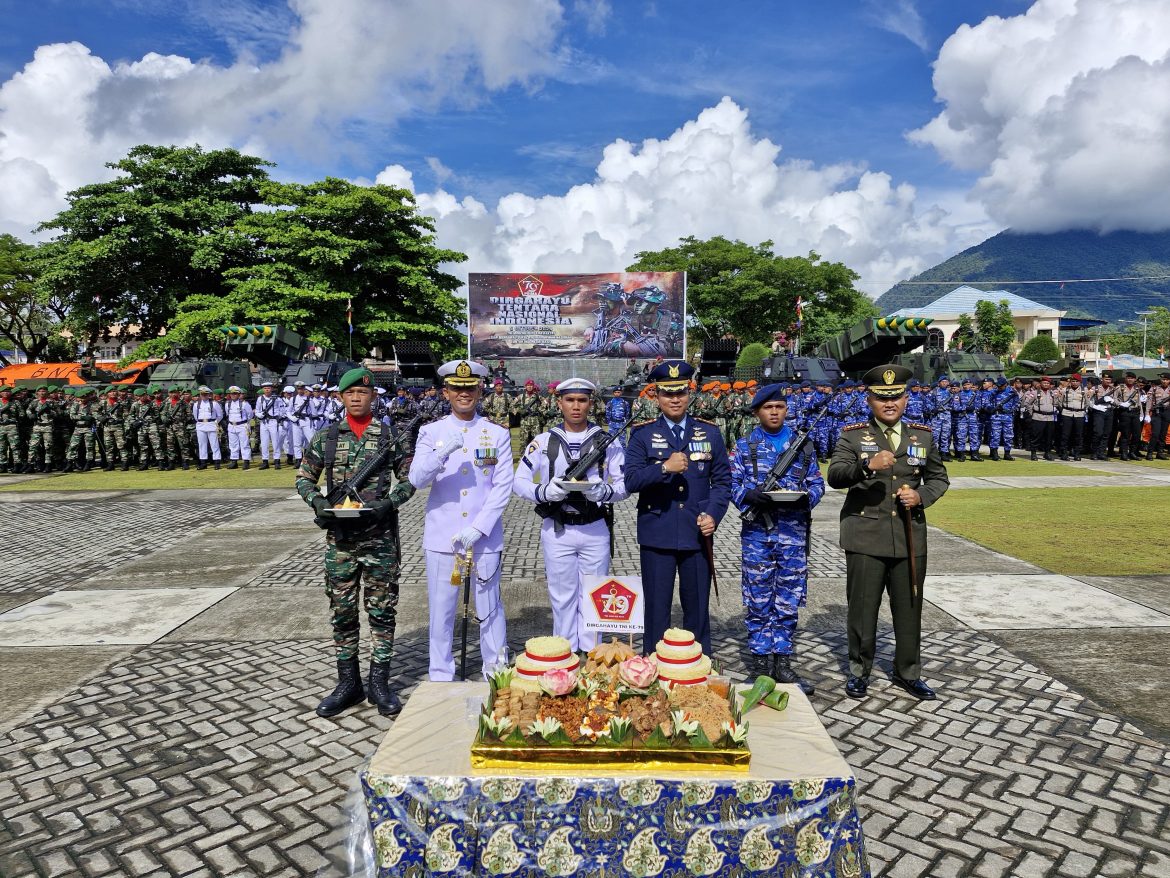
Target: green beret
140, 391
41, 387
361, 377
67, 390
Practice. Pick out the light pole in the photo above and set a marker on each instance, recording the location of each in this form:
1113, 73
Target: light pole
1145, 315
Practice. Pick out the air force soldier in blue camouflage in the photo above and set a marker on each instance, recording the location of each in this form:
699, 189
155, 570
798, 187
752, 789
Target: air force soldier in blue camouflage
775, 543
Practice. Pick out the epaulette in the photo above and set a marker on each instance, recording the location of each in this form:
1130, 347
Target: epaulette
925, 427
642, 423
705, 421
857, 426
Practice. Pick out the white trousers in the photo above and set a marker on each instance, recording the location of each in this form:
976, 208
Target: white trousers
286, 429
271, 440
578, 551
302, 432
445, 601
239, 441
208, 441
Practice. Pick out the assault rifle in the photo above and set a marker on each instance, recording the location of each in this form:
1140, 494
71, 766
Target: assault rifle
596, 453
780, 469
370, 467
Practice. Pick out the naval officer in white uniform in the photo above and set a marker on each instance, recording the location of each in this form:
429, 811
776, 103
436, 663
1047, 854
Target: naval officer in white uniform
574, 534
466, 460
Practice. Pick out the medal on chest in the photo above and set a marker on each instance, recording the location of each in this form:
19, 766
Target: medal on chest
699, 450
485, 454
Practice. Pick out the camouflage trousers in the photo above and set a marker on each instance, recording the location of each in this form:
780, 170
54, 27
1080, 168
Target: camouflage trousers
371, 562
114, 438
9, 443
150, 440
174, 438
775, 584
41, 440
82, 437
529, 427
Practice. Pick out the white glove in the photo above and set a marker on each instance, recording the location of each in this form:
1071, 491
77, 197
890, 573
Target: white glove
453, 446
554, 493
597, 493
467, 537
1107, 398
1146, 419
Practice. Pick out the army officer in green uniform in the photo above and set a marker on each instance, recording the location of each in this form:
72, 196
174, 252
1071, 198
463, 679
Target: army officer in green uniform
893, 471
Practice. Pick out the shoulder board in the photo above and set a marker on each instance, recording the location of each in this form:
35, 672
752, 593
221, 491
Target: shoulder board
705, 421
857, 426
923, 427
643, 423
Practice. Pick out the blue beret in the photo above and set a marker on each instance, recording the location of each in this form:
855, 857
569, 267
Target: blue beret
1001, 381
767, 393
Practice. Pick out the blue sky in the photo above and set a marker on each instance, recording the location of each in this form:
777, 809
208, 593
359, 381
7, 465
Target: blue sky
497, 114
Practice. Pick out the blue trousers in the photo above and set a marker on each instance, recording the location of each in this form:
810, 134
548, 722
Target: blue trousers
659, 567
774, 587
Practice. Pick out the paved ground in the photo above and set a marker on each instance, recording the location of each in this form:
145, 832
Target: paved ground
182, 741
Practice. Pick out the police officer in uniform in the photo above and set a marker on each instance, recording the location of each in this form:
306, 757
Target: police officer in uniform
362, 552
678, 466
893, 470
466, 460
576, 530
1158, 417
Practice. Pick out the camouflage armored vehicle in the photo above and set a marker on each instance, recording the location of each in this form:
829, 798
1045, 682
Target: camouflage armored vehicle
286, 353
188, 374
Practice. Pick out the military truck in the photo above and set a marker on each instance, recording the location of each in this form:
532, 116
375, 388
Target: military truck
929, 366
188, 374
286, 353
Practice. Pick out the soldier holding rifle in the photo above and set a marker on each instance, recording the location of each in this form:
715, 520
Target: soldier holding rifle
893, 470
357, 457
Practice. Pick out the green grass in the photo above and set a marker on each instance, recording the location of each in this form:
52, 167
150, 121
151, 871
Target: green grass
1156, 464
153, 480
1053, 528
1017, 466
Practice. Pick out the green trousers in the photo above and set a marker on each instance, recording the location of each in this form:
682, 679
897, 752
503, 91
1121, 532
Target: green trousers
866, 578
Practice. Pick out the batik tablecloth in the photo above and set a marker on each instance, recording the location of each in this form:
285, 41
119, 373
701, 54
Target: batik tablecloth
792, 814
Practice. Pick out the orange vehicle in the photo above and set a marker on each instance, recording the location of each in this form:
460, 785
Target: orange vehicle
103, 371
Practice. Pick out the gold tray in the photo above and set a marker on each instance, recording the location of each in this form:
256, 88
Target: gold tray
598, 756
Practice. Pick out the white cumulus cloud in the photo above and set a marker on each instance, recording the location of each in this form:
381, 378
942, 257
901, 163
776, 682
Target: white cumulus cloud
67, 112
712, 176
1064, 111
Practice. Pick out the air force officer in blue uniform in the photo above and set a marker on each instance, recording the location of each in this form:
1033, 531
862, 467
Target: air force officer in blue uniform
678, 467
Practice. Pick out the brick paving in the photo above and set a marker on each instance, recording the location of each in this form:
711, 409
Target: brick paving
206, 758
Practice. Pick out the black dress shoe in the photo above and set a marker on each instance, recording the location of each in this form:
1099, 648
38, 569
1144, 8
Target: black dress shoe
916, 688
856, 687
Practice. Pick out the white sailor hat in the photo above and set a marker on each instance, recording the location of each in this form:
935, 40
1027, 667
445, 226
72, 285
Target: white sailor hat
266, 384
575, 385
234, 389
300, 384
288, 388
462, 373
203, 388
333, 388
381, 390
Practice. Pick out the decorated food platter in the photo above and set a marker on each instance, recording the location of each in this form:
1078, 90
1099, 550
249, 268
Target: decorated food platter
619, 710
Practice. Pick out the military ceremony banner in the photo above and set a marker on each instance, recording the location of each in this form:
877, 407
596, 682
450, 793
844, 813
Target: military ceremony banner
621, 314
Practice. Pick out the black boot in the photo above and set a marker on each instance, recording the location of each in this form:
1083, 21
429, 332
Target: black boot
946, 457
143, 467
348, 692
1033, 455
782, 673
125, 466
201, 465
1007, 454
759, 666
263, 465
994, 454
247, 464
217, 464
1048, 455
974, 457
276, 463
379, 691
231, 465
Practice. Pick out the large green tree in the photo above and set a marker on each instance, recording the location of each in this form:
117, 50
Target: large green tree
128, 251
30, 319
319, 247
749, 292
994, 329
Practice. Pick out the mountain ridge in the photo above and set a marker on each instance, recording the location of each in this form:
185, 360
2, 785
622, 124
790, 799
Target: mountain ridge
1005, 259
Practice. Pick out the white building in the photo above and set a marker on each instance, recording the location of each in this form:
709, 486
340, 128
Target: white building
1031, 318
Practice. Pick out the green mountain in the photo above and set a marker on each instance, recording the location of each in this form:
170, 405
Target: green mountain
1000, 262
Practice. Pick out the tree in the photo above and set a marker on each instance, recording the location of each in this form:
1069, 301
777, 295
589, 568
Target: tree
964, 336
752, 355
750, 292
994, 329
30, 321
128, 251
1157, 335
322, 246
1039, 349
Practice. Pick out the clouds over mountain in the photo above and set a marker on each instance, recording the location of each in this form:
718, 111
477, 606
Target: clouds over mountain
1064, 111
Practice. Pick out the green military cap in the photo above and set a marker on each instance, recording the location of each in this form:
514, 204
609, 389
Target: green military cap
140, 391
41, 387
67, 390
219, 391
356, 377
5, 388
888, 381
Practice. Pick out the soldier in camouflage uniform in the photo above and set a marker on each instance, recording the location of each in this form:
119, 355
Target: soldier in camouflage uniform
144, 416
11, 413
111, 416
365, 548
496, 405
82, 414
531, 410
42, 412
174, 419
